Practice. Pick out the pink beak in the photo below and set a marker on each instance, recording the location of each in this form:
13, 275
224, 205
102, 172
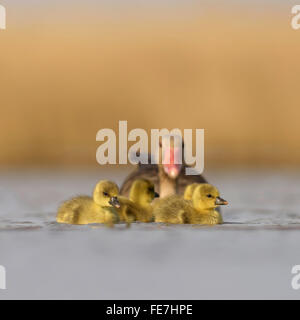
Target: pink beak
171, 164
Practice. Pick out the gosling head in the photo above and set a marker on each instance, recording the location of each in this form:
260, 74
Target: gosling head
189, 190
106, 194
171, 151
207, 197
142, 191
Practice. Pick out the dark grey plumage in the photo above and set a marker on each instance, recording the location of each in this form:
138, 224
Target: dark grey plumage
151, 172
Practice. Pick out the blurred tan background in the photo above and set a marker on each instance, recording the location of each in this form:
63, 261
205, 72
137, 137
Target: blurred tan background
67, 71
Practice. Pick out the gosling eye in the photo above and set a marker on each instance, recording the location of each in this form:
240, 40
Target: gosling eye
209, 196
105, 194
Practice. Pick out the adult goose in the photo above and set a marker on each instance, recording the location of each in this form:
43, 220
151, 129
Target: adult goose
168, 177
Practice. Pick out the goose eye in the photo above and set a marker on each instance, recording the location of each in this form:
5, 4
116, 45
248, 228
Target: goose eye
209, 196
105, 194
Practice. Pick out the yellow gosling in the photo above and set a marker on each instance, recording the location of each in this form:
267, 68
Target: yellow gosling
138, 207
172, 209
189, 190
101, 208
199, 210
206, 198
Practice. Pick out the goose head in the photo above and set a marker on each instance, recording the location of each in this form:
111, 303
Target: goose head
142, 191
207, 197
171, 156
106, 194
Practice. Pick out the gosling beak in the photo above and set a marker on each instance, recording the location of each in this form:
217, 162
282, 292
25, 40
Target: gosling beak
114, 202
220, 201
156, 195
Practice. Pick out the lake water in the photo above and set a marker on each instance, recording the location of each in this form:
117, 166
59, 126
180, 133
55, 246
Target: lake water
250, 256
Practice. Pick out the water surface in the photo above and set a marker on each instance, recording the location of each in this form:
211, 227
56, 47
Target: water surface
250, 256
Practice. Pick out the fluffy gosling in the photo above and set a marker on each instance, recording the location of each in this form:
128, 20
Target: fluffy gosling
189, 190
101, 208
199, 210
138, 207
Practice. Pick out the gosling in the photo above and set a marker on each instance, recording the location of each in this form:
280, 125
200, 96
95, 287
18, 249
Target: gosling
138, 207
101, 208
199, 210
206, 198
189, 190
